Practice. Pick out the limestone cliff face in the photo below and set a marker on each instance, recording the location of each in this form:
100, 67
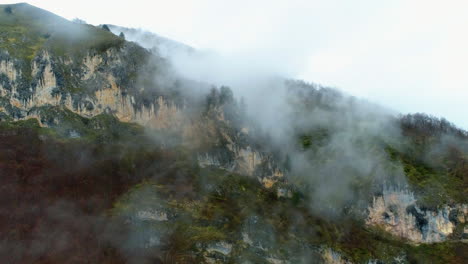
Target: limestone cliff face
89, 88
234, 151
8, 72
397, 212
247, 161
37, 92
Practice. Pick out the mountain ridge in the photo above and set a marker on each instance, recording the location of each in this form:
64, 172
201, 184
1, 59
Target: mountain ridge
104, 137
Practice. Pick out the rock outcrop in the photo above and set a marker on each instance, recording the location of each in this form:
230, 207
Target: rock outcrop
398, 213
98, 83
96, 90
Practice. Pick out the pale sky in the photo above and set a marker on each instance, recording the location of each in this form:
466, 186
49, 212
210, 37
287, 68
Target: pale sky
409, 55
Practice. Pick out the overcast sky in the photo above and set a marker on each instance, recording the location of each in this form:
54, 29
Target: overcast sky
409, 55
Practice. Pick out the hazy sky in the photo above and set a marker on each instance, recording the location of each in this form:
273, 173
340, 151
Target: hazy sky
410, 55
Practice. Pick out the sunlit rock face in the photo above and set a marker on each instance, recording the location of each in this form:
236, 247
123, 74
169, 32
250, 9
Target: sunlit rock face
244, 160
39, 91
397, 212
95, 90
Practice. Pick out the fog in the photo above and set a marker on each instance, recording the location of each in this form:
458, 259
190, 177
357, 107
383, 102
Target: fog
409, 56
282, 110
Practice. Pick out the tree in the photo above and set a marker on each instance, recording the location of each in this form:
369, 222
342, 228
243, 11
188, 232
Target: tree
226, 95
122, 35
105, 27
8, 10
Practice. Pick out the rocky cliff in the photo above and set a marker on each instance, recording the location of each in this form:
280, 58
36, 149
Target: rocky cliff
127, 81
95, 88
398, 213
108, 151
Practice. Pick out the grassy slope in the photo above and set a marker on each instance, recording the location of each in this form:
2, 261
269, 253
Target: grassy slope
28, 29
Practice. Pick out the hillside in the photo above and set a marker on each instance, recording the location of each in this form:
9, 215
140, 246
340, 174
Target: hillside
108, 155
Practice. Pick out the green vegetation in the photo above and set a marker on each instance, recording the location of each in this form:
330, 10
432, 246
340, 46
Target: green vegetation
207, 206
65, 124
434, 156
434, 186
25, 30
432, 153
314, 139
225, 206
29, 123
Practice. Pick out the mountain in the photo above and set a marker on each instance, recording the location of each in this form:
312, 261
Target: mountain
110, 155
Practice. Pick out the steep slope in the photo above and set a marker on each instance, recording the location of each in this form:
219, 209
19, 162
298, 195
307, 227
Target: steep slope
109, 156
77, 66
90, 71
